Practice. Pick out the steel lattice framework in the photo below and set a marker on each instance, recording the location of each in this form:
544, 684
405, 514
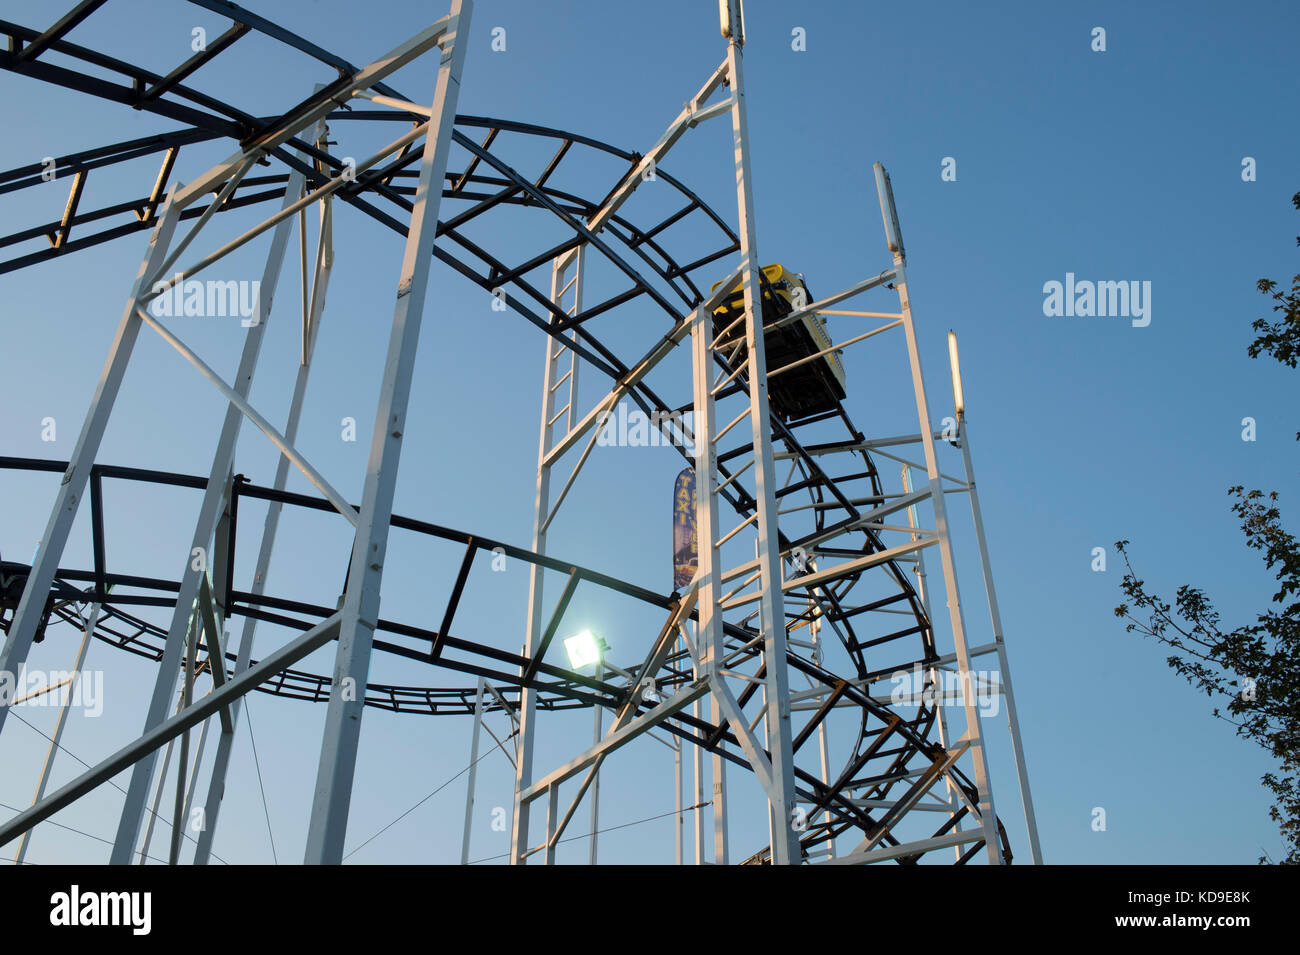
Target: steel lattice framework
831, 575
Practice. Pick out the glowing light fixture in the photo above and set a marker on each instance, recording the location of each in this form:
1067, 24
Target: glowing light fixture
583, 649
958, 400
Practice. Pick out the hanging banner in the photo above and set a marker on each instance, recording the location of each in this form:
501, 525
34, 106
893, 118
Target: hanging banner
685, 542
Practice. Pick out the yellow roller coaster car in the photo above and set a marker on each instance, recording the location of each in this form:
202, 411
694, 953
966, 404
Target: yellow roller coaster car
807, 389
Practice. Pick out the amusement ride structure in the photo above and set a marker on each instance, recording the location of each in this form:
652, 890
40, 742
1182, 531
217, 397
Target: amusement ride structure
805, 591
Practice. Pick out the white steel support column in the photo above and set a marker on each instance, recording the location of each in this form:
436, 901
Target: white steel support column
697, 763
143, 855
182, 764
708, 632
194, 771
974, 733
45, 563
551, 382
721, 834
677, 795
528, 696
823, 745
923, 591
595, 776
1017, 747
214, 499
225, 742
91, 619
677, 776
360, 612
823, 736
473, 771
781, 795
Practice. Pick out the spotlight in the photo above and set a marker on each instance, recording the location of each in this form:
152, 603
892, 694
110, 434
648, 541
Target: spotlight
583, 649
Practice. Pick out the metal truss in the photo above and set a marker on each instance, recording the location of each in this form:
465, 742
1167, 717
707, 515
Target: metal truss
834, 573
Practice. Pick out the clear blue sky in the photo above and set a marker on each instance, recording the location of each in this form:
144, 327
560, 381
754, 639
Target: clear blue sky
1122, 165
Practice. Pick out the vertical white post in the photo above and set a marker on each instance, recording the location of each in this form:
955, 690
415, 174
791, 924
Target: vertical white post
225, 741
555, 349
677, 795
677, 784
200, 550
194, 770
183, 764
473, 771
974, 732
142, 857
91, 619
333, 796
720, 834
1017, 747
823, 736
922, 590
708, 632
552, 822
781, 796
697, 769
595, 776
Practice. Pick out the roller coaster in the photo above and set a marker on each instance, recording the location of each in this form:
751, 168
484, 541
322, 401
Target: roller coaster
815, 598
